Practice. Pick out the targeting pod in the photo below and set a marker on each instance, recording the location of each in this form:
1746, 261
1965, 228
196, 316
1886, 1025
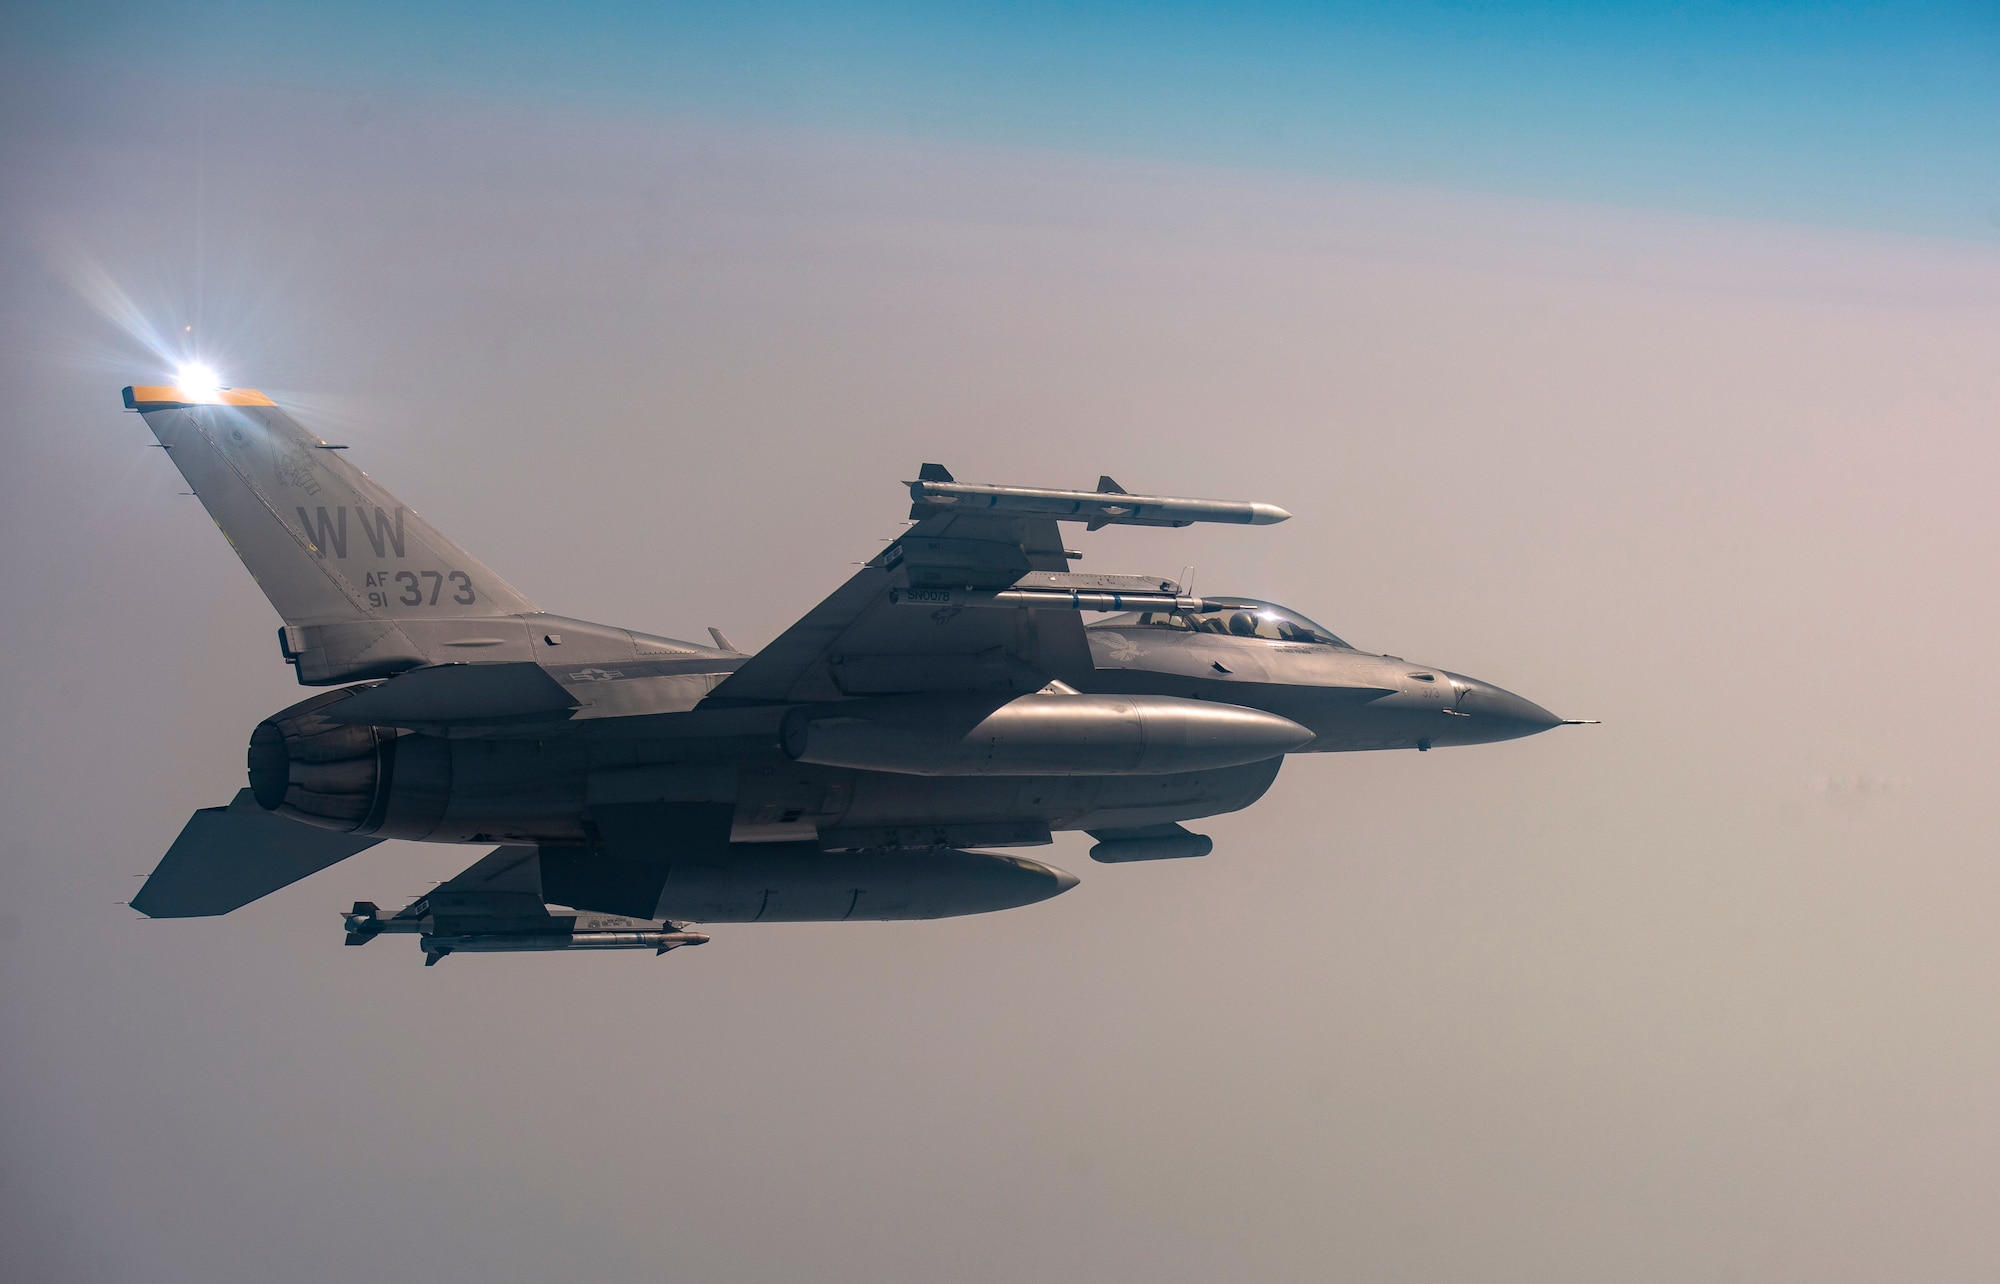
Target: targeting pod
1149, 842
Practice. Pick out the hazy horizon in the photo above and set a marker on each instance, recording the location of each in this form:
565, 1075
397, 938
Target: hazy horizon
1705, 992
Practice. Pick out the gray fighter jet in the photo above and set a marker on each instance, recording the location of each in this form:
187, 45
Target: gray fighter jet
948, 699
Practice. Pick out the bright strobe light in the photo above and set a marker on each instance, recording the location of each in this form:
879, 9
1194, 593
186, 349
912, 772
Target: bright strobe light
198, 379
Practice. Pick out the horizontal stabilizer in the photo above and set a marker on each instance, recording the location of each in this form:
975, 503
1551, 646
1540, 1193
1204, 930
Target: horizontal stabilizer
227, 857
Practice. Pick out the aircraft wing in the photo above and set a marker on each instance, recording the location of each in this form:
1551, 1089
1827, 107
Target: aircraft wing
859, 642
227, 857
976, 596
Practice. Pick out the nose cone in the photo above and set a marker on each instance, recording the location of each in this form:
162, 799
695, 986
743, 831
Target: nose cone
1494, 714
1037, 880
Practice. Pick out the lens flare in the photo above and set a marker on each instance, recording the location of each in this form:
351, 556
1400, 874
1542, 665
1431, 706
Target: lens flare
199, 380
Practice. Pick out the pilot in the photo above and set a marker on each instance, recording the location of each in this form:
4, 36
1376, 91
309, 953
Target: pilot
1243, 624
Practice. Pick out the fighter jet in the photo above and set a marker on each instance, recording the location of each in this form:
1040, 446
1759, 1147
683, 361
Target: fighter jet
948, 700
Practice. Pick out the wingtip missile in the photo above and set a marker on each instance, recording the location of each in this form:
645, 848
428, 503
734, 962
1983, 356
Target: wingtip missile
935, 491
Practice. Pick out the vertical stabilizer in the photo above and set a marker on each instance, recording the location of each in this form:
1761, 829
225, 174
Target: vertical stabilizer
364, 585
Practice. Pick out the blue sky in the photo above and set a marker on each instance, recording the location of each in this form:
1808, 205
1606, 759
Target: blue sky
1870, 115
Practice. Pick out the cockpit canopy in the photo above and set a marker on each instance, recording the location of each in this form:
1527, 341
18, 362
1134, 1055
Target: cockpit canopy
1241, 617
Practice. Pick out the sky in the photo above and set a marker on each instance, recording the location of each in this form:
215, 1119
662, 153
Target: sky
1641, 363
1872, 115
